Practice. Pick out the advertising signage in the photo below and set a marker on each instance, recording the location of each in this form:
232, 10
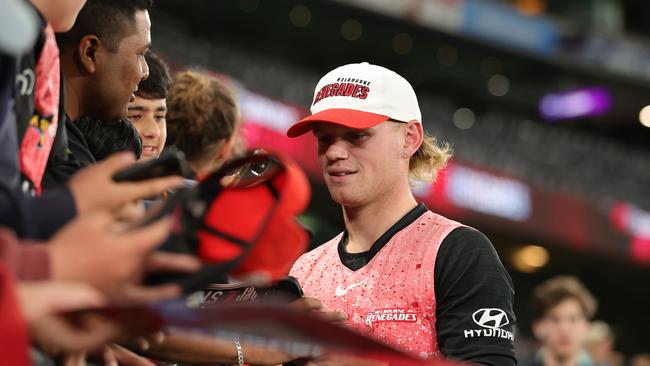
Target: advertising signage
475, 195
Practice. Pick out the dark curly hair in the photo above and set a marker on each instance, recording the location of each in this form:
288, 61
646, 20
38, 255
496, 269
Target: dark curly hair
106, 137
156, 86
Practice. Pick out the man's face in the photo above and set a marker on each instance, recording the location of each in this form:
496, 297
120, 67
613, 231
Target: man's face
148, 117
563, 330
122, 71
359, 166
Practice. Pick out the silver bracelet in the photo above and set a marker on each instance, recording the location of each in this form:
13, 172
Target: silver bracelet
240, 354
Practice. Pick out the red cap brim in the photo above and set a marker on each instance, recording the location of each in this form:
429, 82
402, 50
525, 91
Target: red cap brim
346, 117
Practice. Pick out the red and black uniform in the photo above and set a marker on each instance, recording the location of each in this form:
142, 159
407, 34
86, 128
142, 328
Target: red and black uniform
428, 286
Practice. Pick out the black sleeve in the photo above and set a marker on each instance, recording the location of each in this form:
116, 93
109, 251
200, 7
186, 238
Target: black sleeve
474, 301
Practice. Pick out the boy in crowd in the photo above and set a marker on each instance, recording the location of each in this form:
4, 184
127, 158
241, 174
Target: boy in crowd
562, 308
148, 110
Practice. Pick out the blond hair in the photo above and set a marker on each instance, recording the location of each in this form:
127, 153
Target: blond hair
429, 159
202, 113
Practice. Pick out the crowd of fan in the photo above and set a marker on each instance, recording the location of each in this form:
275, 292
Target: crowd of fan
565, 331
67, 242
83, 101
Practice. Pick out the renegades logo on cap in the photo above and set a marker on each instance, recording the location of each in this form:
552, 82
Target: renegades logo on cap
344, 87
360, 96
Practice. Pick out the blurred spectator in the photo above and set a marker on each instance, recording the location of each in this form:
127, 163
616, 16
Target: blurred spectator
39, 91
31, 84
74, 280
75, 253
642, 359
561, 308
203, 120
34, 217
600, 344
103, 62
147, 111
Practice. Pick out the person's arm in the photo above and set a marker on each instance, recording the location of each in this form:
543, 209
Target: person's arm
35, 217
191, 349
28, 261
183, 348
474, 301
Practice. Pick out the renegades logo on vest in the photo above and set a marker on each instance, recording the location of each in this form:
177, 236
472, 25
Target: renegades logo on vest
391, 315
344, 87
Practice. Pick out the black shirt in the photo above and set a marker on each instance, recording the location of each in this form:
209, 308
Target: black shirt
71, 154
471, 286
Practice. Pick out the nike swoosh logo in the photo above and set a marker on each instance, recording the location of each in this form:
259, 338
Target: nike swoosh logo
340, 291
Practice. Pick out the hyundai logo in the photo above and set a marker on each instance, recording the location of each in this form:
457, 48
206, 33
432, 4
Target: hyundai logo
490, 318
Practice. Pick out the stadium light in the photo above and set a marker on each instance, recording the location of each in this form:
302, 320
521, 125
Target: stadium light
351, 30
464, 118
576, 103
530, 258
644, 116
300, 16
498, 85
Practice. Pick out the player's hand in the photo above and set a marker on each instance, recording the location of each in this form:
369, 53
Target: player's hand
93, 187
315, 306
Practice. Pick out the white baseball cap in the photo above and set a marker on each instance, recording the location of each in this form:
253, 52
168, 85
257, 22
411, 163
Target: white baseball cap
360, 96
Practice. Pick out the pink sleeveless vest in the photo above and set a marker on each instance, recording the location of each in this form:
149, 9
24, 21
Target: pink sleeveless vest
392, 298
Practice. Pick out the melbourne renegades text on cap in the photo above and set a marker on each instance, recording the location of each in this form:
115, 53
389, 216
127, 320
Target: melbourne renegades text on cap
360, 96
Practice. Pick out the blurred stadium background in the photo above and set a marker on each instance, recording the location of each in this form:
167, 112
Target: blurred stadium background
543, 101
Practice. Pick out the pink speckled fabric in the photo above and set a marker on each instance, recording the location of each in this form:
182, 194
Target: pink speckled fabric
391, 298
